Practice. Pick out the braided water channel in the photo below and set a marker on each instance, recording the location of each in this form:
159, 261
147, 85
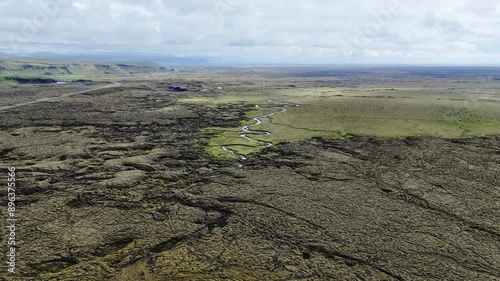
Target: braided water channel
247, 132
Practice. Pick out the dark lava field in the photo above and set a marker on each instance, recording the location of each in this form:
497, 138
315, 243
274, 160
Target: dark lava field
114, 183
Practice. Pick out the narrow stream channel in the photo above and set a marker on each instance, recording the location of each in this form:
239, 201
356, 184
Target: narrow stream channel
248, 133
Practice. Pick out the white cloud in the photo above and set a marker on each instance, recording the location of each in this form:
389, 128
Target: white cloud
261, 30
80, 6
124, 9
372, 53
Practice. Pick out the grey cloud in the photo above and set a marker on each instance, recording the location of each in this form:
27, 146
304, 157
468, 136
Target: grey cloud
447, 25
259, 30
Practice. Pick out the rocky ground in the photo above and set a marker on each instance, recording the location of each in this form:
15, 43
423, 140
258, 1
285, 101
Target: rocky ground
114, 184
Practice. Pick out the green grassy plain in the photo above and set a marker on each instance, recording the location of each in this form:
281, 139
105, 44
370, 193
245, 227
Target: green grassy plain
369, 111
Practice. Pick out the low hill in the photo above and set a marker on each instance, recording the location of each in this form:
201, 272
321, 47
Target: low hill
52, 68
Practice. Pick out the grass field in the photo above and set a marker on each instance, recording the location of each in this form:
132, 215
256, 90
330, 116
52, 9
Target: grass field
337, 113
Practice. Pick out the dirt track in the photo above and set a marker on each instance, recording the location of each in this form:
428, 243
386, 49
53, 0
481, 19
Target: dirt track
54, 98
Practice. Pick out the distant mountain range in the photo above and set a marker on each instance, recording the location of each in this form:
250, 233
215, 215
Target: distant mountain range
174, 61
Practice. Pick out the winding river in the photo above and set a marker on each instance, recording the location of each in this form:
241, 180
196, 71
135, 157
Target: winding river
249, 134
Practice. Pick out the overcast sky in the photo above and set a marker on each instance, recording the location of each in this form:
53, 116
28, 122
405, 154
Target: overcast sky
260, 31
